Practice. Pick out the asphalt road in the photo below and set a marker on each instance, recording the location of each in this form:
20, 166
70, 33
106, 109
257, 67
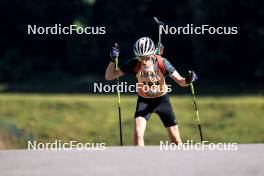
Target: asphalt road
247, 160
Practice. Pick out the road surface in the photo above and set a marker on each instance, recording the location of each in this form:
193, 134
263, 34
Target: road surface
247, 160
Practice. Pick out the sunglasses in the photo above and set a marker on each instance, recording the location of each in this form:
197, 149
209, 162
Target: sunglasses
140, 58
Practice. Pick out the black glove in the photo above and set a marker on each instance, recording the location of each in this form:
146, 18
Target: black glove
114, 52
191, 77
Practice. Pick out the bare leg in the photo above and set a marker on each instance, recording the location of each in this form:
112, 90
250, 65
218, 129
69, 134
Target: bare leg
140, 126
174, 134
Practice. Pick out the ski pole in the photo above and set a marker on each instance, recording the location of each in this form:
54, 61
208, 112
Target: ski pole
119, 102
197, 112
159, 42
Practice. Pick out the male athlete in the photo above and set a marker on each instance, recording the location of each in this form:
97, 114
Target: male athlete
150, 71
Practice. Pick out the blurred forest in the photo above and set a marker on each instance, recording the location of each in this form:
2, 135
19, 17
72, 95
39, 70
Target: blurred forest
26, 58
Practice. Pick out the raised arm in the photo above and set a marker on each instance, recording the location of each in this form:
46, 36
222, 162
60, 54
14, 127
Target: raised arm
111, 73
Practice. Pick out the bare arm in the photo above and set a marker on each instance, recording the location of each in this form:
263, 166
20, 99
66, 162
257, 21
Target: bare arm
179, 79
111, 73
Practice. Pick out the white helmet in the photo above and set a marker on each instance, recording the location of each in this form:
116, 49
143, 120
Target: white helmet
144, 47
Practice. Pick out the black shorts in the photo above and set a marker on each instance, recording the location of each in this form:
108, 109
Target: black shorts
160, 105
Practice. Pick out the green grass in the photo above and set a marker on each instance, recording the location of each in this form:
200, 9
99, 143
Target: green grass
87, 118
